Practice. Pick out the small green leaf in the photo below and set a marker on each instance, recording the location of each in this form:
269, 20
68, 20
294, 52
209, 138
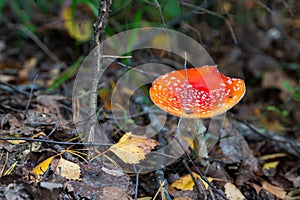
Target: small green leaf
172, 9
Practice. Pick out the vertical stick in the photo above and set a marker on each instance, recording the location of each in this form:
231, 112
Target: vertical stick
99, 32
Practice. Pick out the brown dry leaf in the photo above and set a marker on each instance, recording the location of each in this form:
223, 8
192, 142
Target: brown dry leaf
68, 169
132, 149
294, 194
275, 126
281, 77
277, 191
292, 23
6, 78
145, 198
114, 193
232, 192
28, 65
294, 176
235, 147
50, 103
182, 198
42, 167
256, 187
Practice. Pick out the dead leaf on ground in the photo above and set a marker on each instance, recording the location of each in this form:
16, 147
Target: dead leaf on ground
277, 191
182, 198
79, 28
256, 187
293, 195
50, 103
132, 149
94, 178
114, 193
268, 81
28, 65
15, 124
272, 156
42, 167
68, 169
6, 78
269, 168
274, 125
187, 183
270, 165
145, 198
293, 176
232, 192
236, 149
113, 172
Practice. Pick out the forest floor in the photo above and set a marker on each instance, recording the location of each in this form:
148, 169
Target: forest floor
42, 156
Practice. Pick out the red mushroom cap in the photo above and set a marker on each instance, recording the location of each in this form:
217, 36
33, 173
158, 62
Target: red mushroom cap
207, 93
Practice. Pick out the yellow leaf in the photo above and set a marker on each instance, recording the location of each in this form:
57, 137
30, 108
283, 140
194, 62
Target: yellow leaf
132, 149
186, 182
189, 141
16, 141
270, 165
79, 30
224, 7
160, 40
68, 169
272, 156
42, 167
232, 192
39, 134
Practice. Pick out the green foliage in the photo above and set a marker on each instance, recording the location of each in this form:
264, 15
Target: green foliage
295, 91
2, 4
172, 9
280, 112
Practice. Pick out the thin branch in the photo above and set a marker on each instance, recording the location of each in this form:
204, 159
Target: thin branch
99, 33
55, 142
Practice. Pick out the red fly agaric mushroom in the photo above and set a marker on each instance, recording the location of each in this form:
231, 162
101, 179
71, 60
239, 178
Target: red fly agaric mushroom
204, 93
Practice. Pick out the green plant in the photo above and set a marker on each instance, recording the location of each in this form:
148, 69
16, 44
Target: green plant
295, 91
280, 112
